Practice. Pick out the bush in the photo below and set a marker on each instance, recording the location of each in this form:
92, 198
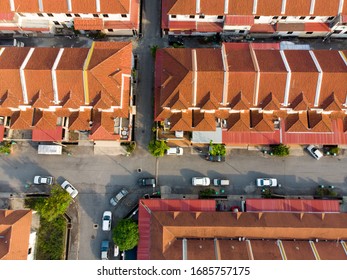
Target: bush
280, 150
5, 147
129, 146
207, 192
157, 147
334, 151
126, 234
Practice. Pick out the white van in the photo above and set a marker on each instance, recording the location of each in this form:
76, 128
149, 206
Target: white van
178, 151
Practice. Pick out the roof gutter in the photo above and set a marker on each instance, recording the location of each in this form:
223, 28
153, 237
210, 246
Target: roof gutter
289, 77
320, 78
22, 75
257, 81
85, 74
313, 3
225, 76
54, 76
195, 75
283, 9
255, 6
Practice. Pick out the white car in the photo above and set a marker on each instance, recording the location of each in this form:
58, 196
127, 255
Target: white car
46, 180
201, 181
267, 182
106, 221
315, 152
221, 182
115, 199
69, 188
177, 151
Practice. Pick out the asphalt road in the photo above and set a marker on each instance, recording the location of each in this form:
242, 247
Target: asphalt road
99, 177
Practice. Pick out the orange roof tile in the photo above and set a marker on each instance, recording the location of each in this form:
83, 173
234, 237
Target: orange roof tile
80, 120
240, 102
300, 103
84, 6
270, 103
181, 121
262, 28
210, 102
298, 7
88, 24
326, 8
15, 226
179, 7
26, 6
319, 122
116, 7
296, 122
239, 121
56, 6
261, 121
22, 119
332, 103
269, 8
203, 121
44, 120
237, 7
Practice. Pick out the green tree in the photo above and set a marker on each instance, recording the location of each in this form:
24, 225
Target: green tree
154, 49
157, 147
58, 202
126, 234
280, 150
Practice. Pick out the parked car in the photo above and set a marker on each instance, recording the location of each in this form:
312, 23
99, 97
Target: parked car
147, 182
115, 250
221, 182
267, 182
177, 151
105, 246
314, 151
46, 180
115, 199
106, 221
201, 181
69, 188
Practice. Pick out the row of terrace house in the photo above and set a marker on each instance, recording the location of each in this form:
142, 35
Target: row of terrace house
303, 18
117, 17
244, 94
66, 94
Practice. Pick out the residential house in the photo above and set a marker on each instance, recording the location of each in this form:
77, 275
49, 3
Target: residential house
252, 94
66, 94
193, 230
303, 18
118, 17
17, 240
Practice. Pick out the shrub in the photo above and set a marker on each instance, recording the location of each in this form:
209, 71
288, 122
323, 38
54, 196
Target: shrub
126, 234
280, 150
207, 192
5, 147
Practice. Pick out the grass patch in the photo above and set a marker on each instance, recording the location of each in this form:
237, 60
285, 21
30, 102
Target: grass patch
51, 239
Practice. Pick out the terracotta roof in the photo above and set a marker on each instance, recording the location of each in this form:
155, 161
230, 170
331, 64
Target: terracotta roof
241, 7
88, 24
239, 121
15, 226
54, 134
269, 7
270, 103
297, 122
239, 20
209, 26
80, 120
240, 102
261, 121
332, 103
209, 102
261, 229
181, 121
203, 121
326, 8
22, 119
262, 28
319, 122
44, 120
300, 103
298, 8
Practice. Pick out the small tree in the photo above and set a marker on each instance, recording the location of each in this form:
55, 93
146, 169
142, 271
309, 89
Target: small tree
154, 49
58, 202
157, 148
126, 234
280, 150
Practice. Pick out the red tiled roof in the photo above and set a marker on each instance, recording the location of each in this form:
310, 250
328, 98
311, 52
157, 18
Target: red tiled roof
239, 20
22, 119
15, 227
292, 205
88, 24
182, 25
316, 27
143, 248
262, 28
209, 26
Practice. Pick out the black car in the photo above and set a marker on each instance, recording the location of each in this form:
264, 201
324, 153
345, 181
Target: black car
147, 182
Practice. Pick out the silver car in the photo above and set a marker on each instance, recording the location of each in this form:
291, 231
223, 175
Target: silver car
115, 199
44, 180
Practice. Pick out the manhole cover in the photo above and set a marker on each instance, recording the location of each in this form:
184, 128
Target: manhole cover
95, 226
